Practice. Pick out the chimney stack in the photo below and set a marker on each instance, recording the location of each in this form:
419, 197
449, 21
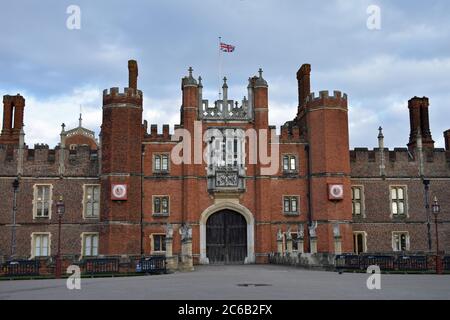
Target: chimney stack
419, 120
304, 85
447, 139
132, 74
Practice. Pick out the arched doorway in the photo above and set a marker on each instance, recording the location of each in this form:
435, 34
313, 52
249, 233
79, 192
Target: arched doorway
226, 237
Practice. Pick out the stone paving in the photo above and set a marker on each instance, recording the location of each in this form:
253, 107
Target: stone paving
236, 282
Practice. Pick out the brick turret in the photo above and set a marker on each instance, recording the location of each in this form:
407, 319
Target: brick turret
13, 108
122, 135
326, 118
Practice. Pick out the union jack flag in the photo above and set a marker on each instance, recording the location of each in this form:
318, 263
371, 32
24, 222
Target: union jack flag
226, 47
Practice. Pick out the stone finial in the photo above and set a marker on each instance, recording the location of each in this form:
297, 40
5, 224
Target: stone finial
225, 82
380, 133
200, 82
190, 72
63, 127
80, 121
260, 71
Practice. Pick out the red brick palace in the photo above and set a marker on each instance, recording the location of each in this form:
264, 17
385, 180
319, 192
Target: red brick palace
221, 179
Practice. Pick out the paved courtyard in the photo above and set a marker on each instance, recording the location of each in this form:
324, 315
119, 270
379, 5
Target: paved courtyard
236, 282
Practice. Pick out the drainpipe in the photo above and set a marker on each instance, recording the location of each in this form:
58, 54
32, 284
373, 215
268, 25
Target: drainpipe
309, 197
142, 200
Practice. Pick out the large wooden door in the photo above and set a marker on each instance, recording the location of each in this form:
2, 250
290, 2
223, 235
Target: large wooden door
226, 238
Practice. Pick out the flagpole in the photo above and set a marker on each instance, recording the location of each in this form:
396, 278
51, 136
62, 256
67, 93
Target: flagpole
220, 67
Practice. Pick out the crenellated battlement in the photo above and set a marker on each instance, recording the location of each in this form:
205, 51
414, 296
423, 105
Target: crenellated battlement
155, 136
324, 99
398, 162
42, 161
128, 95
289, 132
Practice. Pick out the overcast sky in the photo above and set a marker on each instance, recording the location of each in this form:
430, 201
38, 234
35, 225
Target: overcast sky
57, 69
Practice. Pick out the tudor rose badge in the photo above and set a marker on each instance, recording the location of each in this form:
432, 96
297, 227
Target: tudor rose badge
119, 191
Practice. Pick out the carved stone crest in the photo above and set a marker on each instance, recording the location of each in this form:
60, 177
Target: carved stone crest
169, 231
279, 235
185, 232
312, 229
336, 230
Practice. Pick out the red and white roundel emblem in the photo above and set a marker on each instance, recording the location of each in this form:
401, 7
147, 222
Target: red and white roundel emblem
335, 191
119, 192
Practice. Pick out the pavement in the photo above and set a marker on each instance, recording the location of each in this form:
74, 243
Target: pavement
244, 282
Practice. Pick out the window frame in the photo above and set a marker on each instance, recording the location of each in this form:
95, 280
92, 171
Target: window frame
160, 198
33, 244
161, 156
35, 200
85, 203
290, 157
364, 238
84, 236
407, 241
163, 244
362, 213
405, 213
290, 198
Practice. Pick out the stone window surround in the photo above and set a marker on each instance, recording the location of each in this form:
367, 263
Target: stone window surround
152, 243
364, 234
405, 196
293, 213
83, 238
153, 205
154, 155
296, 170
33, 243
50, 204
363, 201
408, 242
84, 201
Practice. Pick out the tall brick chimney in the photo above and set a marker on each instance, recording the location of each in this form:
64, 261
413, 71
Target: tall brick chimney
418, 117
13, 108
304, 83
447, 139
132, 74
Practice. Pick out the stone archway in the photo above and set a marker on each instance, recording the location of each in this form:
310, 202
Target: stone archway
250, 258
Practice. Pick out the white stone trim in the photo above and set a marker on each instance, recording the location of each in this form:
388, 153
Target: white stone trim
33, 243
50, 200
223, 205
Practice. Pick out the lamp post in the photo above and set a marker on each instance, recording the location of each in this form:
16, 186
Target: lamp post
60, 207
426, 184
15, 186
436, 208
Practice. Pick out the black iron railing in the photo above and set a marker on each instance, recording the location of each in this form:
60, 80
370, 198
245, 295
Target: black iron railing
412, 263
385, 262
100, 266
446, 263
153, 264
21, 268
